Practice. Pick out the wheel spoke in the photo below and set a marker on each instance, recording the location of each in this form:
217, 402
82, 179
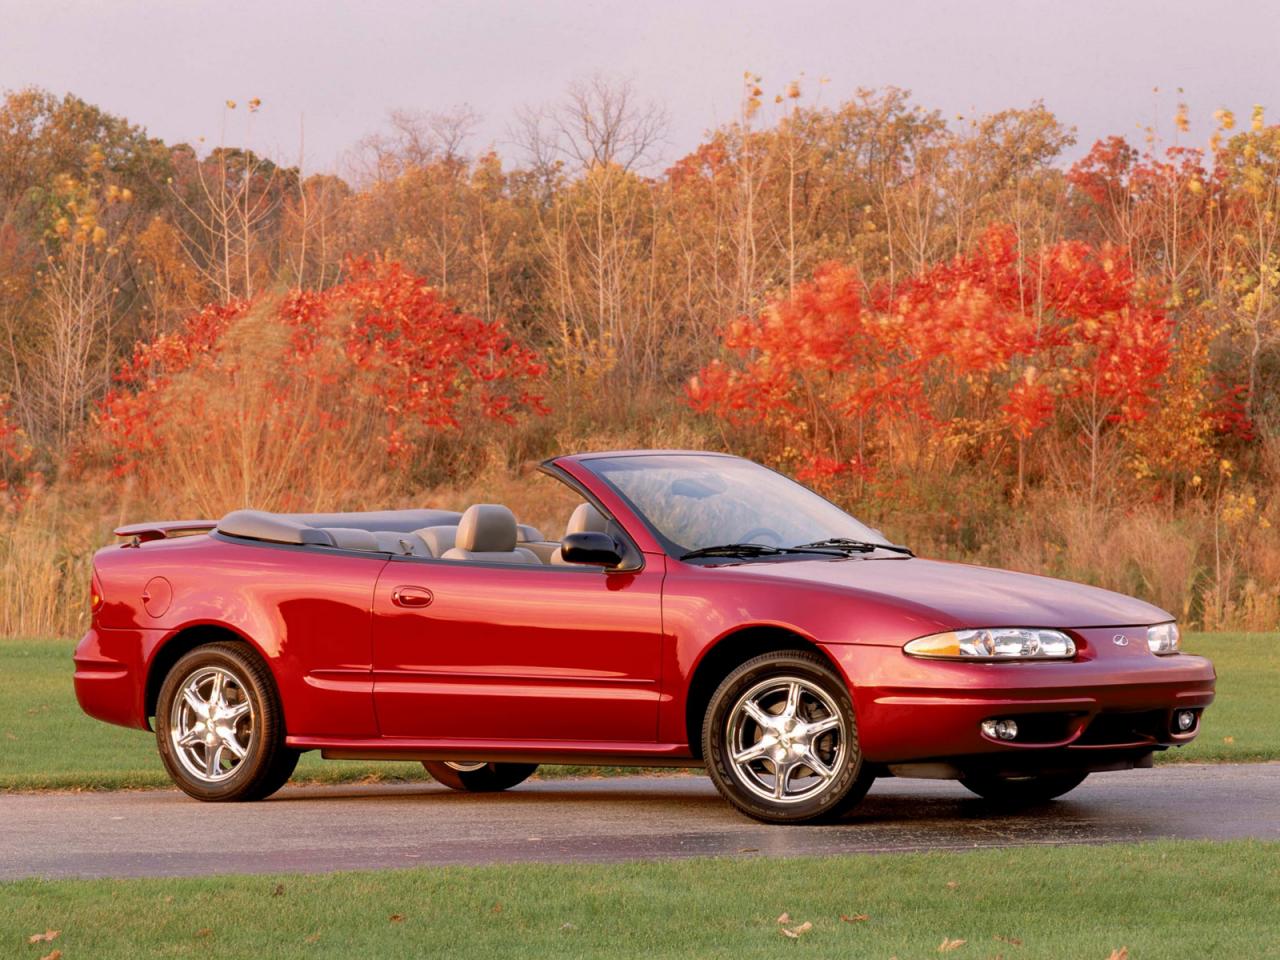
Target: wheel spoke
756, 751
194, 702
231, 743
822, 726
190, 739
793, 700
215, 693
781, 773
236, 710
759, 714
818, 766
212, 760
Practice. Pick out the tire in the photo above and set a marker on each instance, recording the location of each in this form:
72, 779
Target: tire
796, 691
479, 777
1022, 791
203, 762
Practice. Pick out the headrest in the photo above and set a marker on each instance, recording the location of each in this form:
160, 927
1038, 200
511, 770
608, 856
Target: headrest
586, 519
438, 539
487, 528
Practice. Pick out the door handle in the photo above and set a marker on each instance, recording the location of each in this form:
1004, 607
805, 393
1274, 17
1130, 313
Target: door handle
410, 596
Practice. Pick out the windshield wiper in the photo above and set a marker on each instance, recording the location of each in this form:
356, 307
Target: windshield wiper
748, 550
857, 546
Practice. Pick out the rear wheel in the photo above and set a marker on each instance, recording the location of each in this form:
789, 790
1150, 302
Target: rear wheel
478, 776
220, 728
1022, 791
780, 740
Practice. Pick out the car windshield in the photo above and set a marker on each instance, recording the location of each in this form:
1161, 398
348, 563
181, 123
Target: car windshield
695, 502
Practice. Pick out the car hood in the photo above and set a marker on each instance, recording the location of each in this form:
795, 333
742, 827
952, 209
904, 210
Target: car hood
960, 595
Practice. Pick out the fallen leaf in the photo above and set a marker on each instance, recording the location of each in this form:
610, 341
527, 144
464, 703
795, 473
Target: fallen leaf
1013, 941
568, 926
396, 918
952, 885
46, 937
52, 955
795, 933
1228, 739
1123, 952
785, 918
947, 945
278, 891
496, 908
204, 932
854, 917
314, 938
169, 899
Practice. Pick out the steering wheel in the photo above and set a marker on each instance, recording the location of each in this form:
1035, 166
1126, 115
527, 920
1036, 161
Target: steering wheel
755, 533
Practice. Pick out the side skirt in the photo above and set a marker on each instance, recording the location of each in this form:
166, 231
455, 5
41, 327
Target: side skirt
586, 753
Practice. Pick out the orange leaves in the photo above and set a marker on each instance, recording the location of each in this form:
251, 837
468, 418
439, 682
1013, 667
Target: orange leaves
382, 343
995, 343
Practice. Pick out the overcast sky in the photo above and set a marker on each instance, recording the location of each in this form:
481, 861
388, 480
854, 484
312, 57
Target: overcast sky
335, 69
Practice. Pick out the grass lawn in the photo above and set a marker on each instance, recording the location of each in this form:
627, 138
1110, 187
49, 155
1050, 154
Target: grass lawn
46, 742
1170, 899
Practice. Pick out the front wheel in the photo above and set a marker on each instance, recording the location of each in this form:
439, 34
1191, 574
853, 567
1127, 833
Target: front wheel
1022, 791
220, 728
477, 776
780, 740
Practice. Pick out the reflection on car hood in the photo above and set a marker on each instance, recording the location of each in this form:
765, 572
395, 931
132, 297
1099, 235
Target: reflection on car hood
964, 595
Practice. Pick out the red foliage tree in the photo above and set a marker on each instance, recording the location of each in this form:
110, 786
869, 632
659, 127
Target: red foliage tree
379, 364
980, 353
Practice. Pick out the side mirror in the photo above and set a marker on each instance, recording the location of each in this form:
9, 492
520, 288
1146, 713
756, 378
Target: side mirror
591, 547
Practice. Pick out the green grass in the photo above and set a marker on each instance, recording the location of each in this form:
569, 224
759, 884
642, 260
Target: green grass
47, 743
1163, 900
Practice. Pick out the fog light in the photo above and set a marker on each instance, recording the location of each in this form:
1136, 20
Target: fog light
1000, 729
1185, 719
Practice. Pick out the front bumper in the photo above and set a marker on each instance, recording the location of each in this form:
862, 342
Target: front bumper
1108, 702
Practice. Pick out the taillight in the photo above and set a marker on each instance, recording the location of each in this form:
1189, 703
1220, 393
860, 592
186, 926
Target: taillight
95, 594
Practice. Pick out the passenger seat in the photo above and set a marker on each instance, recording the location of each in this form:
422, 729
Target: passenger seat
487, 533
438, 540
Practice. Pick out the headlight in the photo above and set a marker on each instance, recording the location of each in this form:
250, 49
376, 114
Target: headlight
1164, 639
1001, 643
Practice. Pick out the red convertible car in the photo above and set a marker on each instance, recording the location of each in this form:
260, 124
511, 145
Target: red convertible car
699, 610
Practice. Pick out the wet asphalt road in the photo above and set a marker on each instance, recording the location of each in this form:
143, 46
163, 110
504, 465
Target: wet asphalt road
163, 833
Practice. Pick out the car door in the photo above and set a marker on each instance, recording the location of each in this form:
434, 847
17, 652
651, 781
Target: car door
516, 652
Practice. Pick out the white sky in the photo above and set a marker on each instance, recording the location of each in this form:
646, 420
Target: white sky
335, 68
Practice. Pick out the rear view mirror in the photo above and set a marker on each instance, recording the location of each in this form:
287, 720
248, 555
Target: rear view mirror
591, 547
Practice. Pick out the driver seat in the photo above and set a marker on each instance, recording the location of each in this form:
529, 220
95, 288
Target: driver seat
584, 519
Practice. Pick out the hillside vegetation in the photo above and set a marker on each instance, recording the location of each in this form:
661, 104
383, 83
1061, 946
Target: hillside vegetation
989, 352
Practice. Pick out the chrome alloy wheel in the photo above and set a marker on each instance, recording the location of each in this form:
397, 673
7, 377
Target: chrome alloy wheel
786, 739
211, 724
468, 767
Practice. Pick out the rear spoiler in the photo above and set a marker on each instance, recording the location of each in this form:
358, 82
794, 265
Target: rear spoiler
163, 529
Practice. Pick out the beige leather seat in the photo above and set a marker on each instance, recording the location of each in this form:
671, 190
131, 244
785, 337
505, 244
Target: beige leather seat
487, 532
438, 540
584, 519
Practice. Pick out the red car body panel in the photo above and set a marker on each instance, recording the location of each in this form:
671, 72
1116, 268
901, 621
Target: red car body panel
559, 663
